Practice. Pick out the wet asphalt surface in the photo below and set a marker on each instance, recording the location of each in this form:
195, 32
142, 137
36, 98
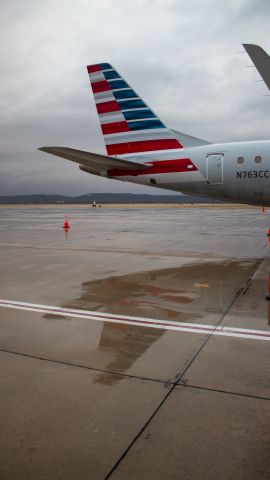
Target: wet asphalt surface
86, 399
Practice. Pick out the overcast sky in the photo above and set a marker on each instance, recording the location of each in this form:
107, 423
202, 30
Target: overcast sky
181, 56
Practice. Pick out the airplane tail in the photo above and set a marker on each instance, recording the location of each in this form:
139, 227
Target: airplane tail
128, 125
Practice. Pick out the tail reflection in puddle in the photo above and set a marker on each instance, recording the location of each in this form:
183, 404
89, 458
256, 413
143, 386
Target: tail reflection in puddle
189, 294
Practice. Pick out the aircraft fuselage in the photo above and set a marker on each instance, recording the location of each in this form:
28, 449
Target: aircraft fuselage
235, 172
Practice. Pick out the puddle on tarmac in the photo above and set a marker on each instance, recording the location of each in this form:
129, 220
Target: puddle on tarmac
192, 293
187, 294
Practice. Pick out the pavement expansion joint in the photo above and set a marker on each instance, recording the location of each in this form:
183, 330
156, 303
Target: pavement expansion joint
137, 436
166, 382
225, 392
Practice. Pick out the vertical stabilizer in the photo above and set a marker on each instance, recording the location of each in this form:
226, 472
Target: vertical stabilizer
261, 61
128, 125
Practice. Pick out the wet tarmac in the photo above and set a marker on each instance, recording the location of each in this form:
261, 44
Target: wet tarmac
82, 398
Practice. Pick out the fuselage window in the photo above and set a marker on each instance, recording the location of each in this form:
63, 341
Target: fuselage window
258, 159
240, 160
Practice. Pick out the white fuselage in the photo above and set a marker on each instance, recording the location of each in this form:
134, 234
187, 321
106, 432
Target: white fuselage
235, 172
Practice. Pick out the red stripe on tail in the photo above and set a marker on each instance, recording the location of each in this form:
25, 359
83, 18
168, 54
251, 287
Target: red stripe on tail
144, 146
93, 68
163, 166
107, 107
115, 127
101, 86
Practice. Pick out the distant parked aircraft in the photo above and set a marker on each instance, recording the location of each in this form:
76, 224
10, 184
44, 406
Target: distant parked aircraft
141, 149
261, 61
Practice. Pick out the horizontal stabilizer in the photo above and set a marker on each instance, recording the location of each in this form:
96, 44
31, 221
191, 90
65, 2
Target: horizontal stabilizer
261, 61
94, 163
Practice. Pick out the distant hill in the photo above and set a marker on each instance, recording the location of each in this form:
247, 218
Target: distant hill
102, 198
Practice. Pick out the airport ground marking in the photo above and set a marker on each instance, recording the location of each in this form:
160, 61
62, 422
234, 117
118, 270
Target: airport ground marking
139, 321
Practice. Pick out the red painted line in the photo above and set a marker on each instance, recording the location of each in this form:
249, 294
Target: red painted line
115, 127
106, 107
142, 146
163, 166
93, 68
101, 86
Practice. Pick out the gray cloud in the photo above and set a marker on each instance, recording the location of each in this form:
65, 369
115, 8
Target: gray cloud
181, 56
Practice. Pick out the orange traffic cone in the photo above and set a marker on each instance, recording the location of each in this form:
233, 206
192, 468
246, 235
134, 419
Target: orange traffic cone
263, 210
268, 233
66, 224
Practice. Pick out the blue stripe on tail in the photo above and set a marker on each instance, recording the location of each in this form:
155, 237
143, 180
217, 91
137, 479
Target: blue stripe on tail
129, 104
139, 114
122, 94
145, 124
